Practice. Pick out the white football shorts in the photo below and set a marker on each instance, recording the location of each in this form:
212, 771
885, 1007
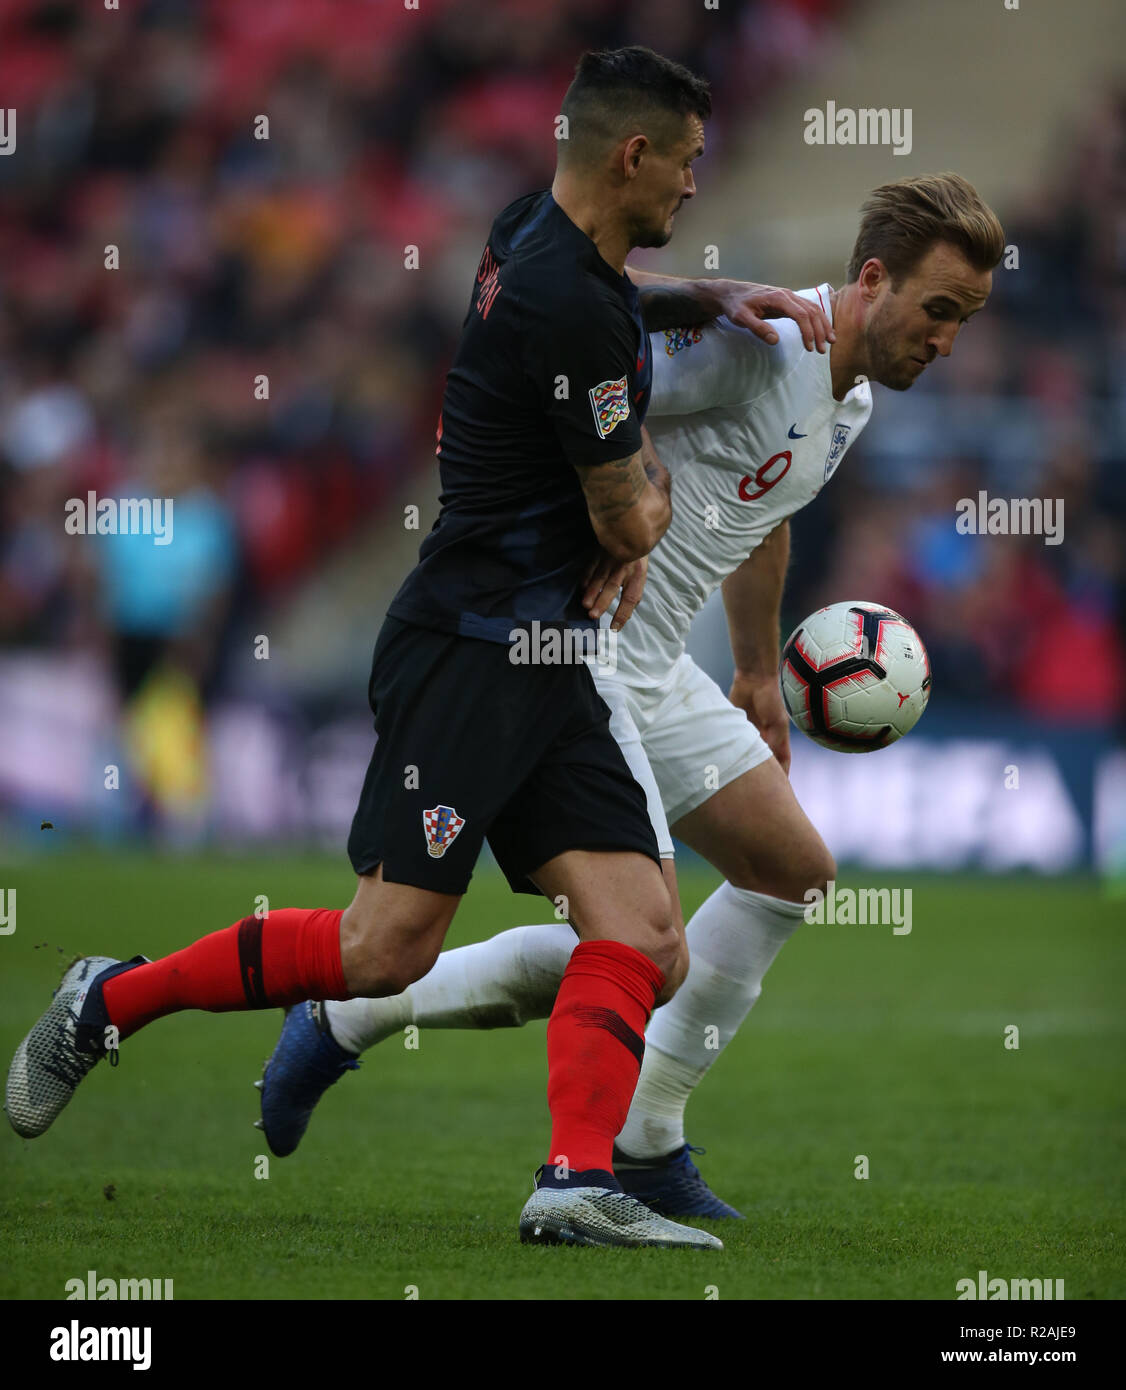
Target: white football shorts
683, 740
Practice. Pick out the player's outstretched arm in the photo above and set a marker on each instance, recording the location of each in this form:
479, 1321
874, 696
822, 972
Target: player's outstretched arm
752, 599
670, 302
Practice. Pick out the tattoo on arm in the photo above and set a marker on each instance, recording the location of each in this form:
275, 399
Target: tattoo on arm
611, 489
663, 307
655, 470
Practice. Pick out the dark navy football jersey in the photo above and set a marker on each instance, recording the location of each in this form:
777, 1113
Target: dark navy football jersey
552, 373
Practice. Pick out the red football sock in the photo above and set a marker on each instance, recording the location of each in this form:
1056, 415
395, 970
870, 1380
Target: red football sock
258, 963
595, 1042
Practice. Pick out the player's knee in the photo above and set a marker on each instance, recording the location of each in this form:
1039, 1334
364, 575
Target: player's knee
811, 874
825, 870
674, 974
666, 948
383, 960
806, 868
380, 973
648, 923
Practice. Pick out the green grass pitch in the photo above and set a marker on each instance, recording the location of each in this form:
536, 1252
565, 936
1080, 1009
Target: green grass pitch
415, 1168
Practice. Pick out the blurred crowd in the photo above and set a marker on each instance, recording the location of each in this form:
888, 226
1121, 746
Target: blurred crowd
255, 351
243, 258
1031, 404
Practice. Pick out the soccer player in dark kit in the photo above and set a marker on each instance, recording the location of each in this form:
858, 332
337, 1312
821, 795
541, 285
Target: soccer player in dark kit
551, 499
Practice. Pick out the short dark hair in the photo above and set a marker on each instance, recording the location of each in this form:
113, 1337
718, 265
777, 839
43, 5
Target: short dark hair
625, 91
901, 221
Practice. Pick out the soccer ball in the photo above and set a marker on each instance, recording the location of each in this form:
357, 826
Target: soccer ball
855, 677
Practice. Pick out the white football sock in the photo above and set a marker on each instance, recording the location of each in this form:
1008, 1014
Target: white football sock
499, 983
732, 942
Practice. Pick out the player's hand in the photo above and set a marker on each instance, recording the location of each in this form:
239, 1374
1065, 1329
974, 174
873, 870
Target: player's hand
750, 305
604, 578
761, 700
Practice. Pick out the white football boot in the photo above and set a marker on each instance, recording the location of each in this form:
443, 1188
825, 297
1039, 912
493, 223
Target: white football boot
56, 1055
602, 1216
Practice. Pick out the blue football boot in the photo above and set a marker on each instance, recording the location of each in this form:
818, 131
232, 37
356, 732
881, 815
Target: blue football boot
305, 1063
671, 1186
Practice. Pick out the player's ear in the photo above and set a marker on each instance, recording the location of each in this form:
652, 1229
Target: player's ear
632, 151
873, 277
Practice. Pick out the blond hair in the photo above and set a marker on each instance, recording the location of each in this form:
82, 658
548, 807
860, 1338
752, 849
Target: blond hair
901, 221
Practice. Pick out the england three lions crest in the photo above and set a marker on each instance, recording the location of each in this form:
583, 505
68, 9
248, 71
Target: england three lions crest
836, 449
442, 824
610, 402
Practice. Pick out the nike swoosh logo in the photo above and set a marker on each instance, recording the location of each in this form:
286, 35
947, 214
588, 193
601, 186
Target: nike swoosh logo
792, 435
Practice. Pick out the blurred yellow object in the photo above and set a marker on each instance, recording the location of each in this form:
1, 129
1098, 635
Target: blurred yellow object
164, 732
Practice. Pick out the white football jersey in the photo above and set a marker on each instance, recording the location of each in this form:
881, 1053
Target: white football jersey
750, 433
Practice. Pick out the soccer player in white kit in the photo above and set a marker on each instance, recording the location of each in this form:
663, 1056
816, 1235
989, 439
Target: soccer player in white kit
750, 433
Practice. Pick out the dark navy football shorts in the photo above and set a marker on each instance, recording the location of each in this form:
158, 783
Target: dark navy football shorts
472, 747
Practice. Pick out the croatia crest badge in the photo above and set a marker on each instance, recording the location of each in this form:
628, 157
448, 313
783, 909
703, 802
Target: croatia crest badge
836, 449
610, 402
442, 824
